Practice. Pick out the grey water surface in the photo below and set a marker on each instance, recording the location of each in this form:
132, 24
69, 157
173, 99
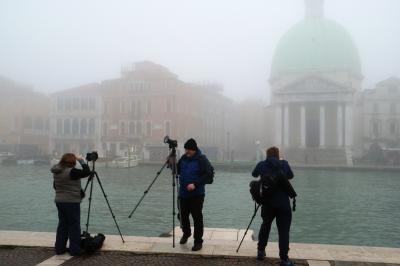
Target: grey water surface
334, 207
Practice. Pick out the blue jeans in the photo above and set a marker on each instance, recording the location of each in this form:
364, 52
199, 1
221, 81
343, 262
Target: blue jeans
69, 227
283, 215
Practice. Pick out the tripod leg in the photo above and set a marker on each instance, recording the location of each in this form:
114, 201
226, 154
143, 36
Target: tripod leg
148, 189
178, 202
173, 210
109, 207
247, 229
90, 201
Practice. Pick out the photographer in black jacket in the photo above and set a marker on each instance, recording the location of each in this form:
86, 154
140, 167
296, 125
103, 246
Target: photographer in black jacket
277, 206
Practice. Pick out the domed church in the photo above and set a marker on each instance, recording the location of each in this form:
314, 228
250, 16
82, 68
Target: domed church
315, 76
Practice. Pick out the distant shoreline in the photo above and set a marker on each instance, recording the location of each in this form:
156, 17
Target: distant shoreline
250, 165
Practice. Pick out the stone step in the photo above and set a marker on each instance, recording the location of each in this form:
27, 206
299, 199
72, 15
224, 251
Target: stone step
316, 252
216, 234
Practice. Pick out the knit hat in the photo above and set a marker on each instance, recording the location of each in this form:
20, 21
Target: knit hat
191, 144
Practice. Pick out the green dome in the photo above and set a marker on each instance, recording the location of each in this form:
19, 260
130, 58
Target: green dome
316, 44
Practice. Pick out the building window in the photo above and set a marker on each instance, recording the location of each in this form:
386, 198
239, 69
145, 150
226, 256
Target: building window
84, 103
132, 128
148, 109
393, 90
59, 126
27, 122
376, 128
393, 127
92, 125
139, 108
148, 128
68, 104
105, 107
168, 128
392, 108
168, 106
38, 124
133, 106
75, 126
92, 104
75, 104
60, 104
122, 128
122, 107
122, 146
105, 129
83, 127
139, 128
67, 127
375, 108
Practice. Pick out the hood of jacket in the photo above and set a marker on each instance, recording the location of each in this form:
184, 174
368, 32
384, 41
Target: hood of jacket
56, 169
273, 162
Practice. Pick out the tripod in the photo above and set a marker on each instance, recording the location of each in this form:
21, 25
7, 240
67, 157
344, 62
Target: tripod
256, 207
93, 175
169, 163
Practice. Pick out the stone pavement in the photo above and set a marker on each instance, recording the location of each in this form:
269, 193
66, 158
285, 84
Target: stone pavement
219, 243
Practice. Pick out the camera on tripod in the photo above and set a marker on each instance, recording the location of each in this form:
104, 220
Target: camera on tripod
171, 142
92, 156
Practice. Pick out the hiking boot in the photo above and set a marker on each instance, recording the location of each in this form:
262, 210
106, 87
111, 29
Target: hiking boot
184, 239
261, 255
197, 247
286, 262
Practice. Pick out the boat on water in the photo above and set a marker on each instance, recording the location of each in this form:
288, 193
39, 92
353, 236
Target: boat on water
125, 162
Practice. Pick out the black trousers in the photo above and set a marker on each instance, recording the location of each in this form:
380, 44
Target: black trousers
69, 227
283, 217
192, 206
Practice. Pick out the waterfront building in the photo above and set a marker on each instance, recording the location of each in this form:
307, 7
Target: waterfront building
24, 120
133, 113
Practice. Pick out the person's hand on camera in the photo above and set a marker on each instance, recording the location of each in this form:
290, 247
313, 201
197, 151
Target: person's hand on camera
191, 187
78, 157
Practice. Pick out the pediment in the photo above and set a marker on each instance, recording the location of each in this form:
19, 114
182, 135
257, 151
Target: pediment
313, 85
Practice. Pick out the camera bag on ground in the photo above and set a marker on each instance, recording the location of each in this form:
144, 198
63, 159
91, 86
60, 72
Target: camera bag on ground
91, 244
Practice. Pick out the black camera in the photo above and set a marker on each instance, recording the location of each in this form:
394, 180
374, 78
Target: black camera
171, 143
92, 156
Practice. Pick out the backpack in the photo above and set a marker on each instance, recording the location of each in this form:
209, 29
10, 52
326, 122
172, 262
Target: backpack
262, 189
208, 176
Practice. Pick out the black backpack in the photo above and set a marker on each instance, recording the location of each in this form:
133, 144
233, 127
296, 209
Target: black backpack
208, 176
262, 189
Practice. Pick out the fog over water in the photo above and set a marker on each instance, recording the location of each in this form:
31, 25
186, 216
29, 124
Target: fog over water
319, 79
55, 45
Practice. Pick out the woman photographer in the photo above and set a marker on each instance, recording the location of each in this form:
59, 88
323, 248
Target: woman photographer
67, 184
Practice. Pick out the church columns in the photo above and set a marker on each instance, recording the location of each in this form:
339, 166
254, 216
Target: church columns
302, 126
286, 126
339, 125
278, 124
348, 125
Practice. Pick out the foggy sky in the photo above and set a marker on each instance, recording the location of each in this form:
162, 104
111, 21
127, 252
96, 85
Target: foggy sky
55, 45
